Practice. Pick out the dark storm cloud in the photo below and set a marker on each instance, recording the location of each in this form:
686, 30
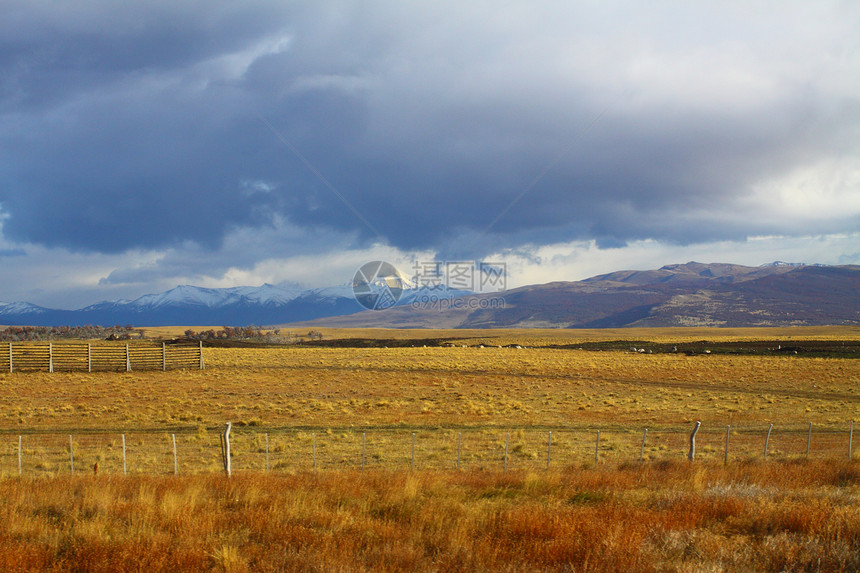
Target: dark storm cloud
153, 125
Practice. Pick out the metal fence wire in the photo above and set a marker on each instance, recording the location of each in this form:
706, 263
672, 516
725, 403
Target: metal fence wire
255, 449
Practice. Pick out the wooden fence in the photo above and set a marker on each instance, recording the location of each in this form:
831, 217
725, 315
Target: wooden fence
98, 357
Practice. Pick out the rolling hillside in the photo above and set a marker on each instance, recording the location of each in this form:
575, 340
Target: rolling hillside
692, 294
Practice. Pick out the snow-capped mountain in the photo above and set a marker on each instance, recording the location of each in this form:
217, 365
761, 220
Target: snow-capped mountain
199, 306
782, 264
187, 295
690, 294
20, 308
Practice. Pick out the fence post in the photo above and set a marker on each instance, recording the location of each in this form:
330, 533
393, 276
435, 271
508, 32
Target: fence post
225, 449
11, 369
314, 450
728, 433
642, 450
124, 467
808, 440
459, 447
413, 450
767, 440
851, 440
164, 357
267, 451
127, 359
51, 357
89, 357
597, 448
507, 437
692, 453
549, 449
72, 453
20, 467
201, 355
175, 460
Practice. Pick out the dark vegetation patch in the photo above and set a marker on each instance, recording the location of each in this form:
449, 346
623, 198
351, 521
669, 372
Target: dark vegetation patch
88, 332
809, 348
380, 342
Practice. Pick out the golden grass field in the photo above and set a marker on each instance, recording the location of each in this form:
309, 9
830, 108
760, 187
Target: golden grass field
546, 336
335, 409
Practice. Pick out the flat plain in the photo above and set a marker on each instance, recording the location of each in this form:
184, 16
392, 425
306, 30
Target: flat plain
460, 469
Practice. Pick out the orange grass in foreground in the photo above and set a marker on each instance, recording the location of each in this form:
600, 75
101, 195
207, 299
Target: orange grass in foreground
661, 517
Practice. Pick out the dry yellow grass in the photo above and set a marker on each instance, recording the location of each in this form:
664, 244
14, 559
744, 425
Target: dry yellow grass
618, 515
295, 393
442, 386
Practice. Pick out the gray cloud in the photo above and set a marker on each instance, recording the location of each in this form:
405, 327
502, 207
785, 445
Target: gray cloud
145, 127
240, 249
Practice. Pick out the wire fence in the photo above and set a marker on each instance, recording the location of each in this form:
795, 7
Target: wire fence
253, 449
98, 357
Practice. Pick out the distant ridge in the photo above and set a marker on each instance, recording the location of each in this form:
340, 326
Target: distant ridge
785, 264
690, 294
190, 305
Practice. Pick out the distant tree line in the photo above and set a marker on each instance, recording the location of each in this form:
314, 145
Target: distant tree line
230, 333
254, 333
29, 333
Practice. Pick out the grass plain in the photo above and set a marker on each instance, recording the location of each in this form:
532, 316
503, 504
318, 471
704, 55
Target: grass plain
617, 515
661, 517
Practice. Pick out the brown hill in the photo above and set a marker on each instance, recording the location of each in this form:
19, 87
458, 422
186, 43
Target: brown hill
691, 294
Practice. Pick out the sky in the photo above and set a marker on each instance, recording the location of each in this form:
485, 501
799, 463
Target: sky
219, 143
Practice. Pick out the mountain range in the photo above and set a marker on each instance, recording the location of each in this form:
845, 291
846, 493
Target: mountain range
191, 305
691, 294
